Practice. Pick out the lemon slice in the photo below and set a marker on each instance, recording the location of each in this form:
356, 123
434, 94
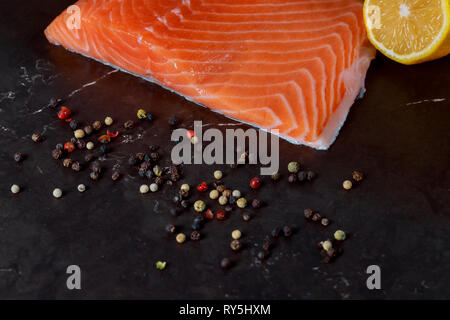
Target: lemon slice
409, 31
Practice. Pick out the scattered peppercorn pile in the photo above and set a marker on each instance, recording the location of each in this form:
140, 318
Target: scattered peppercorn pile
94, 141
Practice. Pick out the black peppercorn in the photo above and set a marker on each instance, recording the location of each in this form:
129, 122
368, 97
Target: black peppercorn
149, 174
228, 209
73, 124
140, 156
142, 172
225, 263
246, 216
357, 176
325, 222
275, 233
236, 245
59, 146
308, 213
150, 116
88, 130
115, 176
302, 176
262, 255
76, 166
96, 167
54, 102
311, 175
267, 244
56, 154
195, 235
184, 203
73, 140
94, 175
154, 156
232, 200
170, 228
97, 125
103, 149
89, 157
81, 144
67, 162
36, 137
256, 203
146, 164
292, 178
174, 173
287, 231
154, 147
159, 180
18, 157
316, 217
173, 121
275, 176
128, 124
132, 160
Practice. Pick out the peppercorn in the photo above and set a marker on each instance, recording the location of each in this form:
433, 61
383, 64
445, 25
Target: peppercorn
209, 214
57, 193
79, 133
316, 217
90, 145
81, 144
214, 194
67, 162
325, 222
103, 149
15, 188
81, 188
275, 176
347, 184
302, 176
88, 130
73, 140
76, 166
176, 199
144, 189
241, 202
149, 174
89, 157
18, 157
36, 137
293, 167
199, 206
97, 125
157, 170
59, 146
228, 209
275, 233
287, 231
221, 188
108, 121
161, 265
292, 178
141, 114
104, 139
64, 113
73, 124
196, 225
225, 263
195, 235
220, 215
339, 235
54, 102
267, 244
357, 176
150, 116
174, 173
56, 154
327, 245
185, 204
202, 187
255, 183
246, 216
308, 213
256, 203
183, 193
170, 228
223, 200
236, 234
69, 146
262, 255
96, 167
185, 187
236, 245
132, 160
173, 121
218, 174
310, 175
128, 124
159, 180
181, 237
154, 156
236, 193
115, 176
94, 175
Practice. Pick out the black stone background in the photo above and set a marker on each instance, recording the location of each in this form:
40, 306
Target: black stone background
398, 217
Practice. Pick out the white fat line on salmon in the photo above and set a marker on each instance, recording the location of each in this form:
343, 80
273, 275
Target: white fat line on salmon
426, 100
222, 149
91, 83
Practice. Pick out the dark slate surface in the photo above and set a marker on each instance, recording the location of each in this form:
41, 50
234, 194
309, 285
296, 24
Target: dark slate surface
397, 218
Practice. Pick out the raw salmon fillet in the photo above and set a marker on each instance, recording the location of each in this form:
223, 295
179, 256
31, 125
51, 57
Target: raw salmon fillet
296, 66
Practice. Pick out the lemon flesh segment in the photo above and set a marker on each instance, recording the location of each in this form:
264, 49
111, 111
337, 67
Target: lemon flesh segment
409, 31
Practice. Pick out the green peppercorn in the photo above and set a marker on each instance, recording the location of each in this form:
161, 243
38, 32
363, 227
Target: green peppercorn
339, 235
293, 167
223, 200
157, 170
141, 114
241, 202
